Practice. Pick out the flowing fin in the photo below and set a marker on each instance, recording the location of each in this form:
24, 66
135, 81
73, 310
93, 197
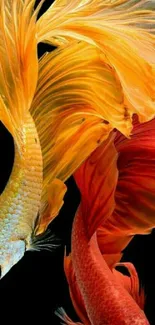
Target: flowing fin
112, 259
123, 31
97, 179
113, 245
131, 283
75, 294
75, 99
56, 192
44, 241
135, 192
63, 316
18, 63
110, 239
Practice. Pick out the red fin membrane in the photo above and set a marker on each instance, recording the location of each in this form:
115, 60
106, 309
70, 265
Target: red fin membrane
135, 192
131, 283
97, 179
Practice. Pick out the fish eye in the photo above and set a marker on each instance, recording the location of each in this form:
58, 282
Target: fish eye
7, 151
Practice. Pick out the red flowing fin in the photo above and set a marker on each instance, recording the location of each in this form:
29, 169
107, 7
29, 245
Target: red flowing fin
111, 240
97, 179
112, 259
135, 192
131, 283
75, 294
64, 317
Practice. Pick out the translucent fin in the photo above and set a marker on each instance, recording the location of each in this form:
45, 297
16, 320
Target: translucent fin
75, 99
18, 63
131, 283
47, 240
97, 179
75, 294
123, 30
63, 316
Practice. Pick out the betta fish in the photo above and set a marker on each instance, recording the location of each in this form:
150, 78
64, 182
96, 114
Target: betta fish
117, 191
21, 200
44, 104
123, 33
68, 101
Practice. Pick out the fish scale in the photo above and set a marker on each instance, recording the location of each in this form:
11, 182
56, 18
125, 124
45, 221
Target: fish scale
106, 301
20, 202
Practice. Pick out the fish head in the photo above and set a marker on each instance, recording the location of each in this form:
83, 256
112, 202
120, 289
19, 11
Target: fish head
10, 254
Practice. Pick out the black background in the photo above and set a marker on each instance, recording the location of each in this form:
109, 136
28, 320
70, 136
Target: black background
36, 286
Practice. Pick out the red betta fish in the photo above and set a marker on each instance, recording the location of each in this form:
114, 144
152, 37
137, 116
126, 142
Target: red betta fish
117, 201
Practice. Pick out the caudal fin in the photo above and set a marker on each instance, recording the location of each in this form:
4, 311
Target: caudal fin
123, 31
18, 64
70, 111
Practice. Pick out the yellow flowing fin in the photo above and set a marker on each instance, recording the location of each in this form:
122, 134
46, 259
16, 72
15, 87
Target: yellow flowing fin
18, 63
75, 99
55, 194
123, 30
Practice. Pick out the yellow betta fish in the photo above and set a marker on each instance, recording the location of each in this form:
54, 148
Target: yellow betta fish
33, 94
67, 102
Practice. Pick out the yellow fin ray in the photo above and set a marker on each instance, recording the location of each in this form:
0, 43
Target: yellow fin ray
78, 102
124, 32
18, 63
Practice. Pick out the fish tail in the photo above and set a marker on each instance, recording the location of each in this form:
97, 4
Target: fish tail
18, 64
123, 30
73, 117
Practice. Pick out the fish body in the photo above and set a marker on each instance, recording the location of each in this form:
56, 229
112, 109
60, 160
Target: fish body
111, 212
20, 201
75, 95
106, 300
